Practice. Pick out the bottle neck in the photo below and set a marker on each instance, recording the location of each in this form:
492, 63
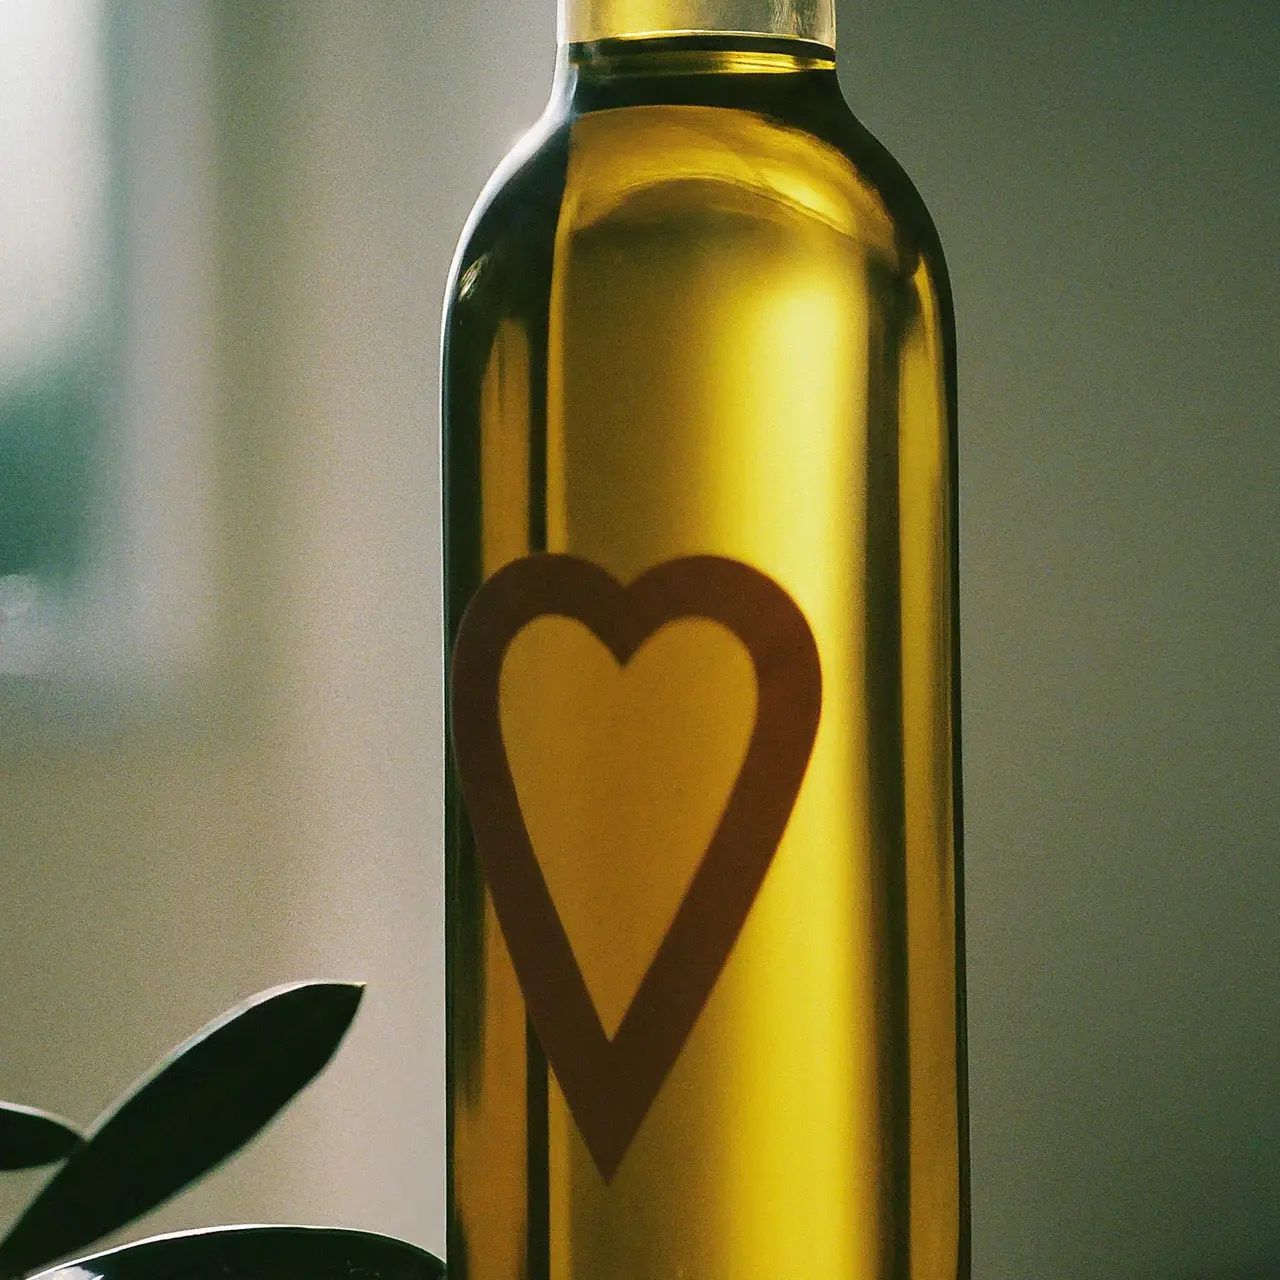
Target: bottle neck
588, 21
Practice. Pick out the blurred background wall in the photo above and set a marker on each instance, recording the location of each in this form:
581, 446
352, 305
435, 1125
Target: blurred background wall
240, 784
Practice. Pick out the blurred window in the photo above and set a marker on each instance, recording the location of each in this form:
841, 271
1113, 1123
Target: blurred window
105, 337
56, 312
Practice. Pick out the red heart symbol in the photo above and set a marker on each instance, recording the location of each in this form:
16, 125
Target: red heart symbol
610, 1083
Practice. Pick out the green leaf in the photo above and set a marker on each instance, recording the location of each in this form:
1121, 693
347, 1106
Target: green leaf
30, 1138
203, 1102
260, 1253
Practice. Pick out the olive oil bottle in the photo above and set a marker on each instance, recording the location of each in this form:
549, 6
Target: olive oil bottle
704, 948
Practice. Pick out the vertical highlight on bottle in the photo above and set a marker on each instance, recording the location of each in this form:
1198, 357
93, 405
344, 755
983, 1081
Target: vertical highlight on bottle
703, 921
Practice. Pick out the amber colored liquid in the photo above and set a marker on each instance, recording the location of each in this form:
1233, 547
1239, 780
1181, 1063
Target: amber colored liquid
702, 312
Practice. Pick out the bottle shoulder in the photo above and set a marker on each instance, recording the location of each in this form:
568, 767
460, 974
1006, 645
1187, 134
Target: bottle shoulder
519, 203
881, 170
796, 164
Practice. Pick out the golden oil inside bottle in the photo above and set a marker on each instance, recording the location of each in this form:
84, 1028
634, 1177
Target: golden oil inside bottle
737, 349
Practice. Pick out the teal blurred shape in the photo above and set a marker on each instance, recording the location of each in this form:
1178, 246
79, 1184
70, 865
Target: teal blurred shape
50, 422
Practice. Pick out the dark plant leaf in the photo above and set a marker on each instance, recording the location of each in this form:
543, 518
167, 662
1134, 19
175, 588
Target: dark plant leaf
30, 1138
259, 1253
205, 1100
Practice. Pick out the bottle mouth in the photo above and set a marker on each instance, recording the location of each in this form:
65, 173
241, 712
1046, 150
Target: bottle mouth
597, 20
699, 53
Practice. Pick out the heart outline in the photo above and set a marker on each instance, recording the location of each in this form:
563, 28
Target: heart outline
609, 1084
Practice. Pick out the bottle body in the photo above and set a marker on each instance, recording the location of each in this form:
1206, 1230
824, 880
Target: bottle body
701, 313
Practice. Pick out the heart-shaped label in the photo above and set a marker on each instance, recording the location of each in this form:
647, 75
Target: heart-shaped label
610, 1083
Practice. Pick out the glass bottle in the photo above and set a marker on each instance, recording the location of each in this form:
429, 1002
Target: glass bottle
700, 311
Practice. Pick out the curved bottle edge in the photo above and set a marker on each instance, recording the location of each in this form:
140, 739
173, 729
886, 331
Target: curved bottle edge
904, 202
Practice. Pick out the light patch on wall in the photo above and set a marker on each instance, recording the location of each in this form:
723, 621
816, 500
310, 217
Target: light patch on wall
53, 199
